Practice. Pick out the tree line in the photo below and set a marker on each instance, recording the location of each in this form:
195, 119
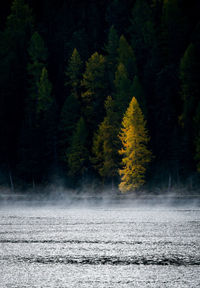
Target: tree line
93, 92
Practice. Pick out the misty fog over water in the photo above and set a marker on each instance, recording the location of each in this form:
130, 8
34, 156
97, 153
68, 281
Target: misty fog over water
102, 245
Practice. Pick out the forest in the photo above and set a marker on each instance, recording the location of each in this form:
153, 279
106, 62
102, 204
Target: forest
89, 87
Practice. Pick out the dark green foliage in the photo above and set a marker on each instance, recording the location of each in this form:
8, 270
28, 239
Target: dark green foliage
94, 85
70, 112
122, 95
148, 50
106, 144
78, 152
68, 119
74, 73
111, 55
126, 56
142, 31
138, 93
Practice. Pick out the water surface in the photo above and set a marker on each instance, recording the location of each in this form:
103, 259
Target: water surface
99, 247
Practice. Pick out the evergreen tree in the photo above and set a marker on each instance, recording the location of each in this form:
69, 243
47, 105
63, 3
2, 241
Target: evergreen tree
78, 153
142, 32
46, 124
37, 53
45, 99
106, 143
135, 154
122, 95
28, 161
95, 90
19, 25
70, 112
74, 73
126, 56
112, 55
138, 91
69, 116
37, 50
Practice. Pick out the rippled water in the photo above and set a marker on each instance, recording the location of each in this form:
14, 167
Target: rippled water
99, 247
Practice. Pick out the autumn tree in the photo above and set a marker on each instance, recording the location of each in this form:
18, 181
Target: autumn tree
135, 154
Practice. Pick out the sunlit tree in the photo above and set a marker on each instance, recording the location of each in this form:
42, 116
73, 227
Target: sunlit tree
135, 154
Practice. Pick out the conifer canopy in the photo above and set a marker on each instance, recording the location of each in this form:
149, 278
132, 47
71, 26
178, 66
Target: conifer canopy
135, 154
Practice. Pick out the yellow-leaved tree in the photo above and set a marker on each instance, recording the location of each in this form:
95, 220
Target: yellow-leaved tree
135, 154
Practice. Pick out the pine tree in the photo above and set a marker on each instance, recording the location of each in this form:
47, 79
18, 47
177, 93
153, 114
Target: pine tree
78, 153
45, 99
142, 32
46, 124
37, 53
70, 112
138, 91
122, 95
19, 24
37, 50
74, 73
135, 154
106, 143
112, 55
126, 56
28, 155
95, 90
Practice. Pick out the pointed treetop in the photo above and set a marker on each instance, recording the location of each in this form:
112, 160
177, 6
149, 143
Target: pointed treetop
126, 56
44, 92
37, 49
20, 17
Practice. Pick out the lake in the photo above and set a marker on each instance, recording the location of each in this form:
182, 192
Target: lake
58, 246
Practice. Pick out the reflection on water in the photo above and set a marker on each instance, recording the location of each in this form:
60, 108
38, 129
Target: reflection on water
62, 247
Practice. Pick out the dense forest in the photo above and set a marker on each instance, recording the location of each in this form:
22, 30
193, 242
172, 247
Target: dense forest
72, 72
